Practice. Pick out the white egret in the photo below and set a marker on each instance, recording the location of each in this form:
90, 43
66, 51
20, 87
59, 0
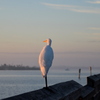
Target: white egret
45, 59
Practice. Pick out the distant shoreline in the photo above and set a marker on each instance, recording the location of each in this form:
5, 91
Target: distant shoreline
17, 67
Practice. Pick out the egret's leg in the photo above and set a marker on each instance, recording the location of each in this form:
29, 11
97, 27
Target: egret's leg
46, 81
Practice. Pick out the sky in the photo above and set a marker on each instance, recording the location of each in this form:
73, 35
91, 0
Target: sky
73, 26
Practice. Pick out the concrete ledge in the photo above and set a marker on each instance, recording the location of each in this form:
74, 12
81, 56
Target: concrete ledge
70, 90
96, 96
87, 92
94, 81
61, 91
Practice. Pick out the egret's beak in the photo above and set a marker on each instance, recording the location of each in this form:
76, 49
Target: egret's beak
45, 41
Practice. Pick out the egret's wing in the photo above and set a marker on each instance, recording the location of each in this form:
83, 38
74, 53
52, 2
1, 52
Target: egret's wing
45, 58
48, 56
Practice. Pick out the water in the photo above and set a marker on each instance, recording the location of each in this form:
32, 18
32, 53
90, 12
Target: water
17, 82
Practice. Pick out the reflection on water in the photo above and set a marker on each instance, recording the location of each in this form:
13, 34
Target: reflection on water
17, 82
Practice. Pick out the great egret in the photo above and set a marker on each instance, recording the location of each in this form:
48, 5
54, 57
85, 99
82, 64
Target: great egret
45, 59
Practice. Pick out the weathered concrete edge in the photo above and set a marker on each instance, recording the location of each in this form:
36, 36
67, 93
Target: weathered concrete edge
55, 92
70, 90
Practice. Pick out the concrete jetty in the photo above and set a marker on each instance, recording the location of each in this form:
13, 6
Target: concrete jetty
69, 90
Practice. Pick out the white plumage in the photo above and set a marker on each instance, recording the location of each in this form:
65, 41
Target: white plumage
45, 59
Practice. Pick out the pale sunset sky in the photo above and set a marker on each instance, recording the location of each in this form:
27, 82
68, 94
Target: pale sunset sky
73, 26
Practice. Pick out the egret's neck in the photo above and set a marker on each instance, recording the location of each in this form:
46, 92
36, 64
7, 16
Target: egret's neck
49, 43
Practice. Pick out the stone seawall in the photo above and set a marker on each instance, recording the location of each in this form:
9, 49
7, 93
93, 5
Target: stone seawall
69, 90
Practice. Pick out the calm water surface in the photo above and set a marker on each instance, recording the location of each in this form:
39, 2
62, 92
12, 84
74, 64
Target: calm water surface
17, 82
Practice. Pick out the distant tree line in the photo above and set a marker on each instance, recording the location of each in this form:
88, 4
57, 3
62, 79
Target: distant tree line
17, 67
